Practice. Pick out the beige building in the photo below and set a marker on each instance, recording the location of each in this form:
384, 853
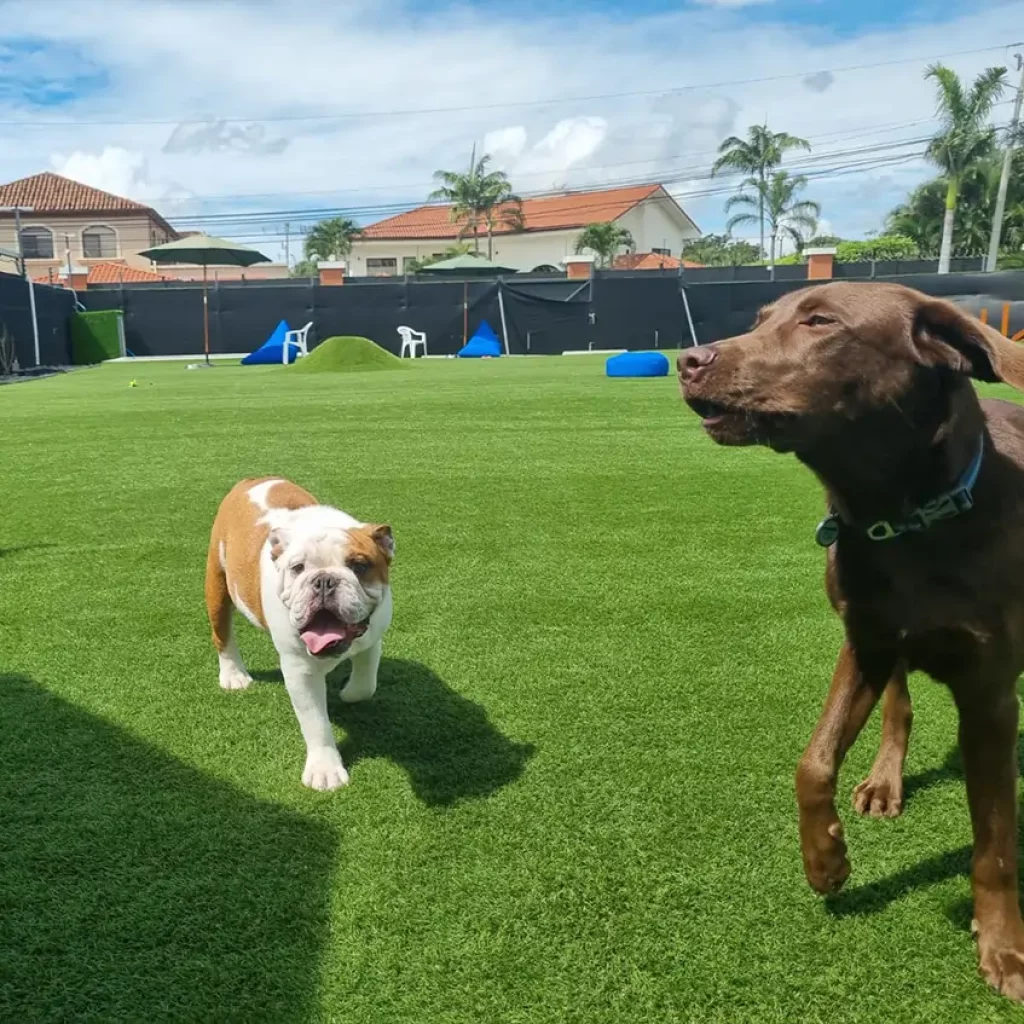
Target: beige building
551, 226
84, 227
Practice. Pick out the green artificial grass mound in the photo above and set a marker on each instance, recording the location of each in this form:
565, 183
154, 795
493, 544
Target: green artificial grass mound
347, 354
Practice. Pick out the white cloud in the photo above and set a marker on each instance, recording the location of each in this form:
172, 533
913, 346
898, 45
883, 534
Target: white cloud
117, 170
548, 162
281, 60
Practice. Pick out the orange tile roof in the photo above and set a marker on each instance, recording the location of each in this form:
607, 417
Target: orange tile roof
106, 273
651, 261
53, 193
546, 213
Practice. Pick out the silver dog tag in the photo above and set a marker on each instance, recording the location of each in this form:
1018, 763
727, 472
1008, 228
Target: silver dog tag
827, 532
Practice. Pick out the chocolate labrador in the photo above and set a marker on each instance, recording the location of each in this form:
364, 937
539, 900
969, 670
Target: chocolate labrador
868, 385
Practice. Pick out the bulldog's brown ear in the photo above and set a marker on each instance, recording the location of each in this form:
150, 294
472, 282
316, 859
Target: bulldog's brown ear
944, 335
278, 542
381, 533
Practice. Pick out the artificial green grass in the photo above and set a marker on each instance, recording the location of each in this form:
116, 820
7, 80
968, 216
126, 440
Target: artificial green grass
347, 354
571, 798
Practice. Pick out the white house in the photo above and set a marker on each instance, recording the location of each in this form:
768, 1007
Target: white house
552, 224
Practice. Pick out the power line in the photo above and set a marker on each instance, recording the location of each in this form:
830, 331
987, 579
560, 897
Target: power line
840, 170
505, 105
422, 185
807, 165
657, 171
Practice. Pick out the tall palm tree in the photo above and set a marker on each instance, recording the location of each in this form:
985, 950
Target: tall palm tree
965, 138
331, 239
776, 201
606, 240
758, 155
921, 215
479, 198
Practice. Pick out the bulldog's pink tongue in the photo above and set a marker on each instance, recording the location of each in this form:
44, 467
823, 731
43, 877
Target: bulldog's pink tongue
323, 631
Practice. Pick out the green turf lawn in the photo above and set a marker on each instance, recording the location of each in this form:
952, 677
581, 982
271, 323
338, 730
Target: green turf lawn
572, 797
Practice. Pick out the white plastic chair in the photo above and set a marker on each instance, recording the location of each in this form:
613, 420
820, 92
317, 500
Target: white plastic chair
411, 340
296, 338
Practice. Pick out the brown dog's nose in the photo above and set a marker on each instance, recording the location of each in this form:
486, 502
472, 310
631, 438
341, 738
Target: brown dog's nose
693, 363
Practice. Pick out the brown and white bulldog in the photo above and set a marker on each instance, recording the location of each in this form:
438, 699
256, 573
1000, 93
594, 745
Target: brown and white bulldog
317, 580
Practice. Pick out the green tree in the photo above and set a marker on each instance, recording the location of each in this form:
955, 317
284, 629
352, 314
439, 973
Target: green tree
757, 156
479, 198
605, 240
777, 202
331, 239
965, 138
304, 268
922, 215
720, 251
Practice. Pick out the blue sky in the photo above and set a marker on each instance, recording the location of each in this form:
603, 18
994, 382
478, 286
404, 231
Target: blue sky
564, 93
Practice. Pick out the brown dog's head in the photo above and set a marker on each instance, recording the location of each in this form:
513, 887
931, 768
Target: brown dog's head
832, 358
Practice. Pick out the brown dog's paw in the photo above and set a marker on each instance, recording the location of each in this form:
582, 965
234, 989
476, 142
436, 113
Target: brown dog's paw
825, 862
1003, 969
879, 796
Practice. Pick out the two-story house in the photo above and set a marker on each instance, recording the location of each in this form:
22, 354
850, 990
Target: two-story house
72, 222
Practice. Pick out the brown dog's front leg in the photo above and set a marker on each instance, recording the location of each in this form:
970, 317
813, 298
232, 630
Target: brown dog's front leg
853, 694
988, 742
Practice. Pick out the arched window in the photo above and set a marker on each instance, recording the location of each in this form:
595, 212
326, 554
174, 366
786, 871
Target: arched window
99, 243
37, 243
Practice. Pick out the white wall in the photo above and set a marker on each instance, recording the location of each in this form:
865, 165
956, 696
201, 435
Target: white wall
520, 251
657, 224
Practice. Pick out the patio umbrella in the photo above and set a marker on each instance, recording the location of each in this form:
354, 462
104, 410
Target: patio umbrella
207, 251
467, 264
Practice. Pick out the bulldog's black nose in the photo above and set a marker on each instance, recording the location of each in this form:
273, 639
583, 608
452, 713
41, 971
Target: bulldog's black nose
693, 363
324, 584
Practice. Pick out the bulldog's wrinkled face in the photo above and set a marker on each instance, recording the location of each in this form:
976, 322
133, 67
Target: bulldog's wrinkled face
331, 581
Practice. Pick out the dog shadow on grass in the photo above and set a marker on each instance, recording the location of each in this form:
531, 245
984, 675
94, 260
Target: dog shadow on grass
133, 887
17, 549
876, 896
444, 742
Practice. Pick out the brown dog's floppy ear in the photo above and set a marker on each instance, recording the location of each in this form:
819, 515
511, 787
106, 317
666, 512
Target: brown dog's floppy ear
944, 335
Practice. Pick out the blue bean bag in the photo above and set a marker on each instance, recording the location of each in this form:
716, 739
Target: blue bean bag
483, 343
271, 352
637, 364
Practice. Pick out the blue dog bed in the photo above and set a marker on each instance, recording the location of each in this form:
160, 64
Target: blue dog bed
637, 364
483, 343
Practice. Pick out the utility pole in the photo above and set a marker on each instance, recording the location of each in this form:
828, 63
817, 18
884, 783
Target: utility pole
1004, 177
287, 245
18, 211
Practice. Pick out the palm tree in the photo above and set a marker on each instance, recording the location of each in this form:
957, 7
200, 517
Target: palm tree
776, 201
331, 239
966, 137
479, 198
606, 240
758, 155
922, 215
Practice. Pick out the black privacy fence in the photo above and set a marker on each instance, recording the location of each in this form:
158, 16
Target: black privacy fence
533, 315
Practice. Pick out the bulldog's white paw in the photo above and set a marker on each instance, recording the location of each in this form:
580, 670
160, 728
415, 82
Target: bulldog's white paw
357, 690
324, 770
234, 677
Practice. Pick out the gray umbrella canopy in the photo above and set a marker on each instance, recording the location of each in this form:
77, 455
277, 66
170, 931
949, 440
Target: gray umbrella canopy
466, 264
205, 251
